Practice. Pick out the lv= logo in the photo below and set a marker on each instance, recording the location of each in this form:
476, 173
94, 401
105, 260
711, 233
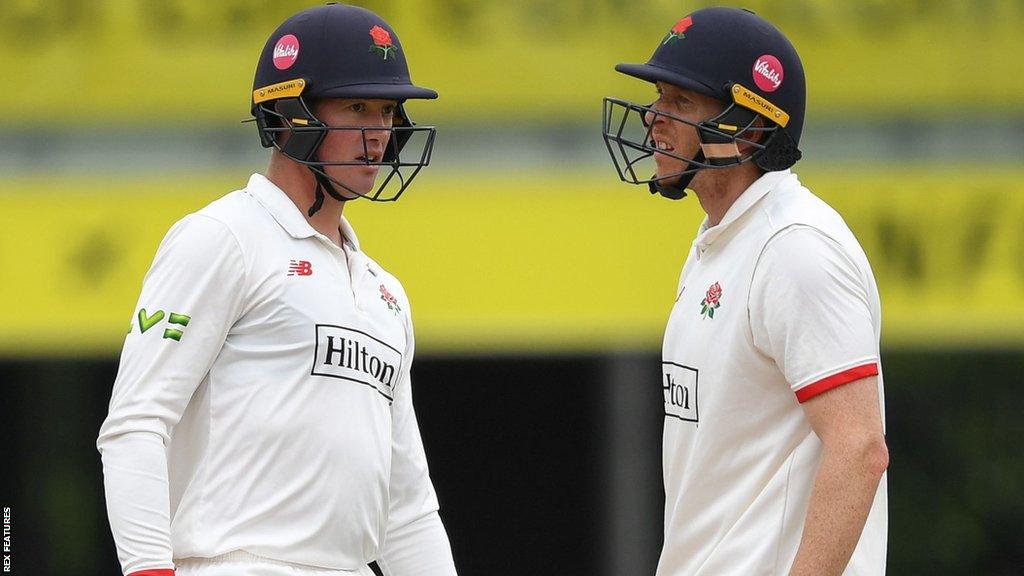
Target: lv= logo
147, 321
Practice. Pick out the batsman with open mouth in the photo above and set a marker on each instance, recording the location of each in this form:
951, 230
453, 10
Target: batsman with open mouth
774, 451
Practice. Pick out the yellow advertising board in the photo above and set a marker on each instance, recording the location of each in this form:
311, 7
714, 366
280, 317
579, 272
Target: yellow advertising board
120, 61
540, 262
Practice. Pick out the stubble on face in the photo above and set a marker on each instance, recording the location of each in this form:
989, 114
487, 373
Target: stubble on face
715, 188
354, 145
675, 137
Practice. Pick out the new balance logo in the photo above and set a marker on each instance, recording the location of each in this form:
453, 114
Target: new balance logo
300, 268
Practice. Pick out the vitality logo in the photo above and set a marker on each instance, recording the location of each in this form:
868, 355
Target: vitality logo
768, 73
286, 52
147, 321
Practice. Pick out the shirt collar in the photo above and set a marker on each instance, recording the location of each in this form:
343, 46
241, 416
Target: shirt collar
287, 214
758, 189
349, 234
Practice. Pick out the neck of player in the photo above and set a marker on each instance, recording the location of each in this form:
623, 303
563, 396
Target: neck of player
717, 190
299, 185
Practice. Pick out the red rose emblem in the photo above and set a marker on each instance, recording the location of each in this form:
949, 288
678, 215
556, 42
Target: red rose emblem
682, 25
381, 37
390, 300
711, 301
714, 293
381, 41
679, 30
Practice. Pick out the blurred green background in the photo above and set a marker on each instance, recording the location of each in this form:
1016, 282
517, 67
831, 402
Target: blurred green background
522, 252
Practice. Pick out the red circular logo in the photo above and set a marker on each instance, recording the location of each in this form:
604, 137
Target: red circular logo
768, 73
286, 52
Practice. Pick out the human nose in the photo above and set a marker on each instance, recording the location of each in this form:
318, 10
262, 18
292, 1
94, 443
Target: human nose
380, 127
651, 115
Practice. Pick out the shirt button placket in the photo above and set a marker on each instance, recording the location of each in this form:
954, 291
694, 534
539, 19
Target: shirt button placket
352, 274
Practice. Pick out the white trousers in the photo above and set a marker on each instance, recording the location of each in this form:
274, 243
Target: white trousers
242, 563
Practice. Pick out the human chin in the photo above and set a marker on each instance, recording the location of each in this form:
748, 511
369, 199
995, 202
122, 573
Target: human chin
668, 166
357, 180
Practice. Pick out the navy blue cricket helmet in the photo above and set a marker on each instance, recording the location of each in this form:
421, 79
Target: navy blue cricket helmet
731, 55
337, 51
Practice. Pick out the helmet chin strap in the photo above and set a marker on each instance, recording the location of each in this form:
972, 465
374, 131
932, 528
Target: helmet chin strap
675, 189
318, 201
325, 183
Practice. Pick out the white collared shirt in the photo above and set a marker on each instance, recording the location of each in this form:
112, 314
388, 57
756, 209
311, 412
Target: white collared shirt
271, 366
776, 304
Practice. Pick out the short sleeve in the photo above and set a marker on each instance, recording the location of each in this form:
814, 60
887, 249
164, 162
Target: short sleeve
811, 311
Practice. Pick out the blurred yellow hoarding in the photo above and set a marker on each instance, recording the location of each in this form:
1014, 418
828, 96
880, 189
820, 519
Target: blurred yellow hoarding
116, 62
538, 262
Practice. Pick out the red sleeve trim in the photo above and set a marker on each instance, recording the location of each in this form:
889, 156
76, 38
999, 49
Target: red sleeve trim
836, 380
155, 572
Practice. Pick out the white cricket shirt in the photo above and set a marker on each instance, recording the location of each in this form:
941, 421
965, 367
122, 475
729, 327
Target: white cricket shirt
264, 390
776, 304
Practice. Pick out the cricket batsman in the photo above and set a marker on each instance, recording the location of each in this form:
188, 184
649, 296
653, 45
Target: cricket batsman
261, 422
774, 448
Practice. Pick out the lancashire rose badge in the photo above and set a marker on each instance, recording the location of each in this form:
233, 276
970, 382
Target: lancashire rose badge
679, 30
390, 300
711, 301
381, 41
286, 52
